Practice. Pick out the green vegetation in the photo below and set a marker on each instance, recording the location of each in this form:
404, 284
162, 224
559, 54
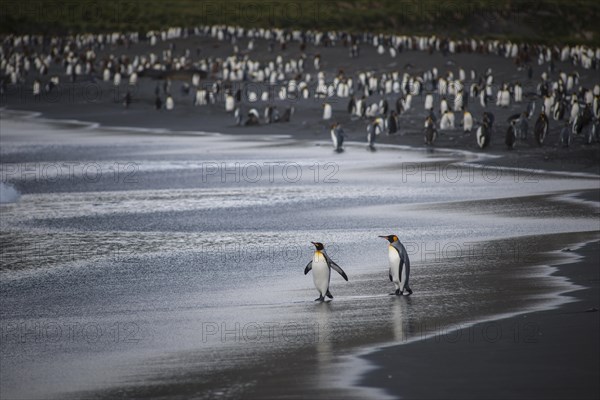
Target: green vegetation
564, 21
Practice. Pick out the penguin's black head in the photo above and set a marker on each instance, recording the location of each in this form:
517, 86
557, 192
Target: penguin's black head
318, 245
390, 238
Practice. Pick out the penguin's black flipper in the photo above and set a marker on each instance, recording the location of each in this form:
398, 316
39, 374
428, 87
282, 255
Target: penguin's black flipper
308, 268
391, 279
328, 294
338, 269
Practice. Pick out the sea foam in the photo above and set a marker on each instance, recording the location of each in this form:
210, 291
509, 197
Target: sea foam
8, 194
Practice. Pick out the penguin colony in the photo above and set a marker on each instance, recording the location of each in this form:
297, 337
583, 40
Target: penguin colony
384, 101
399, 268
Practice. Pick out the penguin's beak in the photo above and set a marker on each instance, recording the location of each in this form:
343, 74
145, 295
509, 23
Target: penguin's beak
383, 237
314, 244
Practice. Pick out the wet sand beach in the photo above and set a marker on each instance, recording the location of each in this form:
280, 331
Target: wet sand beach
180, 283
160, 254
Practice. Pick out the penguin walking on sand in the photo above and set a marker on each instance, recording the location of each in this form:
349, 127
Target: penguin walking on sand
467, 121
565, 135
170, 104
229, 103
321, 266
530, 109
371, 136
430, 131
374, 129
522, 127
399, 264
483, 99
483, 135
327, 111
238, 115
337, 137
352, 106
511, 135
392, 123
541, 128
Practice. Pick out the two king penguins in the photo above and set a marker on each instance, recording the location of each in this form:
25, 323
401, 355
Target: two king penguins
322, 264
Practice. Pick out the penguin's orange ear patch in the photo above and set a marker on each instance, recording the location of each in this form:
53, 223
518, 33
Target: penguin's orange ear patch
395, 238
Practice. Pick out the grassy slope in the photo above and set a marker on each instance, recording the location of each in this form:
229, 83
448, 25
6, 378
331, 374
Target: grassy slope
542, 21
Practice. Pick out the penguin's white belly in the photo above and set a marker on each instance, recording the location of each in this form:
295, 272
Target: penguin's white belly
394, 259
321, 273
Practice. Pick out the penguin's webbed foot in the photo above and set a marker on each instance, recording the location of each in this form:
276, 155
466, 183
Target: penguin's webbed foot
328, 294
409, 291
320, 299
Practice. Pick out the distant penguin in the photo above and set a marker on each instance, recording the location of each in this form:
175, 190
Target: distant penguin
558, 110
321, 266
594, 132
237, 114
428, 102
447, 121
407, 102
337, 137
511, 137
548, 103
574, 109
483, 99
459, 101
371, 136
518, 91
400, 105
523, 127
565, 135
483, 136
352, 106
399, 265
488, 118
229, 103
467, 121
37, 88
253, 118
541, 128
392, 123
530, 109
582, 120
169, 104
287, 114
430, 131
327, 111
317, 62
443, 106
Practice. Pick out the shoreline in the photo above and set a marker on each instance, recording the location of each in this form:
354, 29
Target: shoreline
516, 339
480, 160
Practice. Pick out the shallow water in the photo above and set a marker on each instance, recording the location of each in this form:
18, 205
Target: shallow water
172, 264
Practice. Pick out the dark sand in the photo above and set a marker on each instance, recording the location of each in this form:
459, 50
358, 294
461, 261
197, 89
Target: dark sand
547, 354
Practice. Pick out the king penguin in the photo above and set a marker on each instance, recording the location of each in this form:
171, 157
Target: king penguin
399, 265
337, 137
321, 266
